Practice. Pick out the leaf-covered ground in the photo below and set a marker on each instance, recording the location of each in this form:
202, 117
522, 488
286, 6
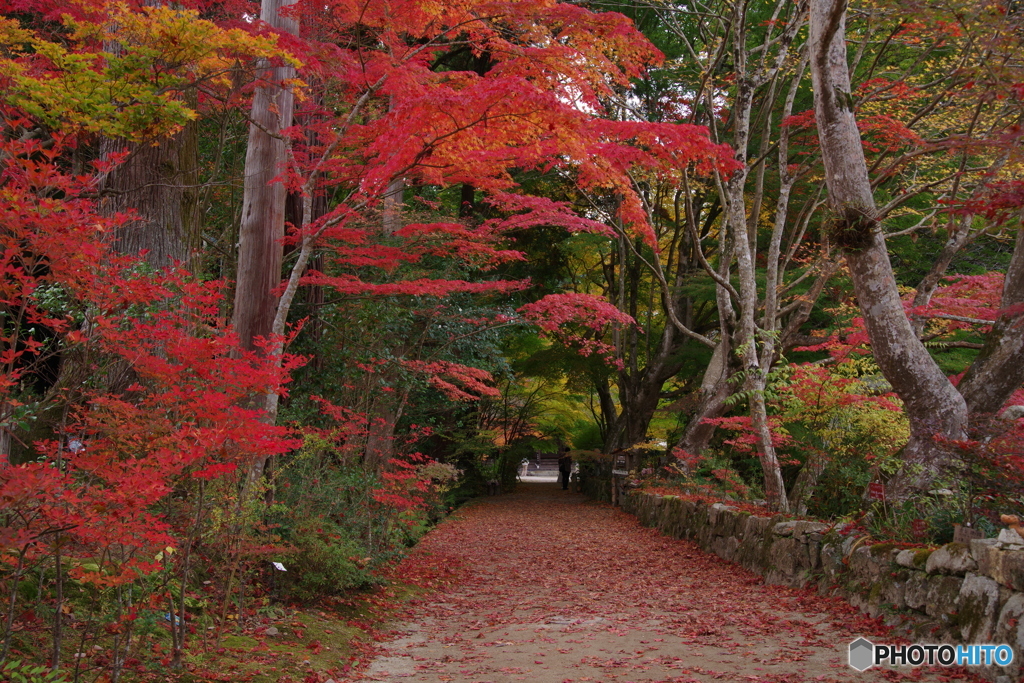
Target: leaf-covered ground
547, 587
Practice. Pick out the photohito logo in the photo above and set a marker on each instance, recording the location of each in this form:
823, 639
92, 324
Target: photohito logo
865, 654
861, 653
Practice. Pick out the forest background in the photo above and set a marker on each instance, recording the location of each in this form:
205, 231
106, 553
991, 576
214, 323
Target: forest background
286, 283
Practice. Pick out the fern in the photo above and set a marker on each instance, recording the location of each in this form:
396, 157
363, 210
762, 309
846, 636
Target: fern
17, 671
777, 378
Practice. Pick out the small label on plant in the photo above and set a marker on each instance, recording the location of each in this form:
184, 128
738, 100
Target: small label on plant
919, 527
876, 491
279, 567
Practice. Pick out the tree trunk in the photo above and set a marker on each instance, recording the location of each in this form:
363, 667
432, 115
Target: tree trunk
745, 335
392, 205
160, 183
930, 282
260, 233
638, 398
609, 413
998, 370
933, 405
713, 391
640, 392
393, 201
314, 298
380, 435
807, 481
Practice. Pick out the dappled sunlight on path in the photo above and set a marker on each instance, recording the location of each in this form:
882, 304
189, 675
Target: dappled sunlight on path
545, 586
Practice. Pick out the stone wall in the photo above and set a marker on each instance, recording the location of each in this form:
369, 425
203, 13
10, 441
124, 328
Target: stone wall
954, 594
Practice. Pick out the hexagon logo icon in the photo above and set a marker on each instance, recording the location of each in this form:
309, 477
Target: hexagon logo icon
862, 654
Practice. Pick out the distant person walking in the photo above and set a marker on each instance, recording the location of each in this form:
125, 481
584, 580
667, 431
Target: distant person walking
565, 468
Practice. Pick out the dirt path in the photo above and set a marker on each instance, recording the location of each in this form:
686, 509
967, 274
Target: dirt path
546, 587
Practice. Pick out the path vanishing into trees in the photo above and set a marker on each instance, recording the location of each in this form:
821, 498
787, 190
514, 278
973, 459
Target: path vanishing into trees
545, 586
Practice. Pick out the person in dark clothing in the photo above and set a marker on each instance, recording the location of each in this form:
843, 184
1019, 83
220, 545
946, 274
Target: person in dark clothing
565, 468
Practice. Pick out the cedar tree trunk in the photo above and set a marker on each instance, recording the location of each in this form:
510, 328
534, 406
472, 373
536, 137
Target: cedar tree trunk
260, 233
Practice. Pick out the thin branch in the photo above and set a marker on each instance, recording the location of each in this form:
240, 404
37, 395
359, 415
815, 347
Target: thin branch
959, 318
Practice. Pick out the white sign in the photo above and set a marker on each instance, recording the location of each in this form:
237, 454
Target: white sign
279, 567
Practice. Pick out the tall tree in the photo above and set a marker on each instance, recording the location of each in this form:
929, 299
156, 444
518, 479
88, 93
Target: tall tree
159, 181
393, 112
740, 70
264, 203
934, 405
261, 231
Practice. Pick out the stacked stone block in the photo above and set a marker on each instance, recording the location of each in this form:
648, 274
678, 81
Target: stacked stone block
954, 594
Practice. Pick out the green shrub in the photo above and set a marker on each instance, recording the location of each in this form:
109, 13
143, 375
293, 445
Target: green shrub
21, 672
324, 561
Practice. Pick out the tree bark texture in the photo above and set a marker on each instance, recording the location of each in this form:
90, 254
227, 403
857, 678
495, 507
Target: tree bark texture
640, 392
713, 391
264, 202
160, 183
746, 328
380, 433
391, 207
260, 249
933, 405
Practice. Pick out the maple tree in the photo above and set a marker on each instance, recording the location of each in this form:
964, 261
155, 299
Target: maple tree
184, 418
445, 127
902, 130
456, 230
84, 501
695, 275
132, 378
